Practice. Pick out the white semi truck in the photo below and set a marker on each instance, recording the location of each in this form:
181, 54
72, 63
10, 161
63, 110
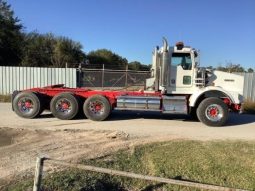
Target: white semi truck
177, 86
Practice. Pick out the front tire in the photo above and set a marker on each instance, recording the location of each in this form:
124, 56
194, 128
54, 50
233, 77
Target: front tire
97, 108
212, 112
27, 105
64, 106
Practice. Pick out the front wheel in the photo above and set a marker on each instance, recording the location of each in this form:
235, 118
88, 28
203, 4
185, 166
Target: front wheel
212, 112
97, 108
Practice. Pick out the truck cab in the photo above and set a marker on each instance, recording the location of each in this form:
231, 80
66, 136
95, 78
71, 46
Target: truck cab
176, 73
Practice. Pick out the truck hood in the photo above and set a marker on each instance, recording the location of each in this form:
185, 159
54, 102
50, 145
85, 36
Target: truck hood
232, 83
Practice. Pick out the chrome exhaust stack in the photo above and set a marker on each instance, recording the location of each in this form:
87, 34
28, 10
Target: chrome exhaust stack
160, 69
164, 66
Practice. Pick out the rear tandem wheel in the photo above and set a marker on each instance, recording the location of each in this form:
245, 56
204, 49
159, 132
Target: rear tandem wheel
64, 106
97, 108
28, 104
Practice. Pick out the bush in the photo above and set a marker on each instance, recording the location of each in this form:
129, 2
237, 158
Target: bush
5, 98
249, 106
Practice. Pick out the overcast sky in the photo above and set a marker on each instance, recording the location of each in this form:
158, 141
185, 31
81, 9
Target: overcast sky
223, 30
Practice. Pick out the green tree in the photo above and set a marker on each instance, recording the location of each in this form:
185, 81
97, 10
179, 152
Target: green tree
230, 67
67, 51
135, 65
46, 50
38, 50
108, 58
11, 37
250, 70
236, 68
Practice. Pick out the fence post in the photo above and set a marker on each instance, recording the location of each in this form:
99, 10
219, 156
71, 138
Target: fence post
38, 173
103, 77
126, 81
79, 76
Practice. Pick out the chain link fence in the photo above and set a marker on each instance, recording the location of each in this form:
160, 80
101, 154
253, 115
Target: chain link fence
112, 79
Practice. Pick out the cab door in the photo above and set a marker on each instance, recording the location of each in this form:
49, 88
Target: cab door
181, 73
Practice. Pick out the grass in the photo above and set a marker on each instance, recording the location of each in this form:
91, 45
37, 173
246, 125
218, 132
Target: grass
5, 98
249, 106
222, 163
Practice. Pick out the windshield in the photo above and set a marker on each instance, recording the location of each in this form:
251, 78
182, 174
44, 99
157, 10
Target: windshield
183, 60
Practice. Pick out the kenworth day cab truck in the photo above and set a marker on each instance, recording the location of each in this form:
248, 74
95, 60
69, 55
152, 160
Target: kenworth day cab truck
176, 86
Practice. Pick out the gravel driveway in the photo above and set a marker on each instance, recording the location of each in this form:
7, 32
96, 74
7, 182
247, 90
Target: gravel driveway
21, 140
143, 124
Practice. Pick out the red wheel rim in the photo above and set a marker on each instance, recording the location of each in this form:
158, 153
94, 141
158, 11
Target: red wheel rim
96, 107
214, 112
26, 105
63, 106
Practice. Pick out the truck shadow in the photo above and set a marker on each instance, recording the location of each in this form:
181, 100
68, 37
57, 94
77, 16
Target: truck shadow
234, 119
240, 119
126, 115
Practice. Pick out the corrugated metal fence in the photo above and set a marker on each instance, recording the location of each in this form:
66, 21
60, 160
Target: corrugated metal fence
20, 78
249, 85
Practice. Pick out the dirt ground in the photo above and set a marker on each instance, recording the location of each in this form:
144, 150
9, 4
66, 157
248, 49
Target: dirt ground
22, 146
21, 140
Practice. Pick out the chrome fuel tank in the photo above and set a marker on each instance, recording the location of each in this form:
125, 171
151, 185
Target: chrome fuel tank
175, 104
138, 103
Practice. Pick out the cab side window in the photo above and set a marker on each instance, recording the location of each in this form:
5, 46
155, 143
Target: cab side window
183, 60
